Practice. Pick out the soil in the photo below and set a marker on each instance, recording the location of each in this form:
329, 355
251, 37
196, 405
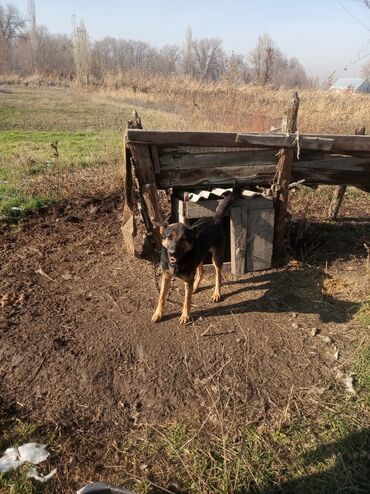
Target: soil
77, 345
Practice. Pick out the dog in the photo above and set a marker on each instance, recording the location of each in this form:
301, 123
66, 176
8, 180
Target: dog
183, 253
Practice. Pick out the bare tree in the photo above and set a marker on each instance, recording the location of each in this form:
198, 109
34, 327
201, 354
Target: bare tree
263, 59
187, 53
209, 58
33, 34
169, 57
81, 52
12, 26
237, 69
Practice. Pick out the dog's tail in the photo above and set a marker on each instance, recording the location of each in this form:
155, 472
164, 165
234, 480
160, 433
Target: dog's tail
228, 201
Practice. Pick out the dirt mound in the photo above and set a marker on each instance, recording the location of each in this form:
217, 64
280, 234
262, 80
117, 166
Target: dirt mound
77, 342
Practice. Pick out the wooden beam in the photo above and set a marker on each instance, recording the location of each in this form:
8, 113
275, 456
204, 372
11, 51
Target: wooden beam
280, 140
176, 159
254, 174
340, 190
340, 144
284, 175
336, 201
182, 138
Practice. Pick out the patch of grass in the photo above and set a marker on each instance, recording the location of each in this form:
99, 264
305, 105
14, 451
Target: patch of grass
30, 148
14, 432
15, 208
324, 455
363, 315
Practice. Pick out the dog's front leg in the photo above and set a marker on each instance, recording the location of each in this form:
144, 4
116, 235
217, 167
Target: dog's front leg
185, 316
165, 285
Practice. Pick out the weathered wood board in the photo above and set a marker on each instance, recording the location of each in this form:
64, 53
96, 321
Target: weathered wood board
260, 226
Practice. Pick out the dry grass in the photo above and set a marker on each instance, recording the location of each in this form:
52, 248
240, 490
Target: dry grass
226, 106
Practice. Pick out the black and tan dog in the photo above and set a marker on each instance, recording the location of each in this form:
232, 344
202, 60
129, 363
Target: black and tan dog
184, 250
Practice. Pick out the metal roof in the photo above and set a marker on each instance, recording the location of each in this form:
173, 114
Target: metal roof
349, 82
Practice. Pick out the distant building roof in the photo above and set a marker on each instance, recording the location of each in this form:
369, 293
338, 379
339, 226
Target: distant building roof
353, 83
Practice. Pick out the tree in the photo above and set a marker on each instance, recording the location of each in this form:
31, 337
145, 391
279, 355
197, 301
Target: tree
263, 59
81, 52
237, 69
33, 34
168, 59
12, 26
209, 58
187, 53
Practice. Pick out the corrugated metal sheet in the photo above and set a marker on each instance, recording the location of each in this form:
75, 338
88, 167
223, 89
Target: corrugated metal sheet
218, 192
354, 83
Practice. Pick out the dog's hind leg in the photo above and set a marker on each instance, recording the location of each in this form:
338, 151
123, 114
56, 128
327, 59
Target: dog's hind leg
185, 316
217, 260
165, 285
198, 278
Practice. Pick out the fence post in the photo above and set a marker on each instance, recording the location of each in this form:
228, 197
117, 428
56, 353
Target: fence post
284, 174
340, 190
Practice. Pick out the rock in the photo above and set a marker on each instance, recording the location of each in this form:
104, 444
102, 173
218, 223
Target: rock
314, 331
328, 339
295, 325
294, 315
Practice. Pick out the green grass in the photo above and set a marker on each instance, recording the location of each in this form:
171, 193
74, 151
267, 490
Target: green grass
14, 432
89, 130
75, 148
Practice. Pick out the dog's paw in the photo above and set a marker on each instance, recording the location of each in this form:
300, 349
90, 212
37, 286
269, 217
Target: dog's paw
184, 319
216, 297
157, 316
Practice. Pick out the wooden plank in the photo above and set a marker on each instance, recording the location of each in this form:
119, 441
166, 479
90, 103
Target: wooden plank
257, 174
336, 201
207, 208
238, 239
181, 138
201, 149
284, 178
143, 163
260, 239
286, 140
345, 144
340, 190
177, 209
335, 171
155, 159
180, 160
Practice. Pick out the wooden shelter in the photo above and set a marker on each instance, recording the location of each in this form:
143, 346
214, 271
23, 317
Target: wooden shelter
185, 161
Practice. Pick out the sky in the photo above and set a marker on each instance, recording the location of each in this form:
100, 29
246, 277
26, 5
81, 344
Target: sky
325, 35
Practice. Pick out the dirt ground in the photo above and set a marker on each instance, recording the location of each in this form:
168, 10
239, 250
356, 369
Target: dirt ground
77, 347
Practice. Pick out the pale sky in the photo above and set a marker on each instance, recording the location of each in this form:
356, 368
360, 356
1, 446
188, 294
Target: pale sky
322, 34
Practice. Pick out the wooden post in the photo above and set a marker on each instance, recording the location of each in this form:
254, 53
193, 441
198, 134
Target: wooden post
284, 174
340, 190
128, 218
149, 195
139, 156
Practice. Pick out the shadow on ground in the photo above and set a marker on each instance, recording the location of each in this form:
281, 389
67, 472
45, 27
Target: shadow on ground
349, 474
298, 290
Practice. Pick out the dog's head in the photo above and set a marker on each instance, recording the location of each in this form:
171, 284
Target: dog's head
178, 239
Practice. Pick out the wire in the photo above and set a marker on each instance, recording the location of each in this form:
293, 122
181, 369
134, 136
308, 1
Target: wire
353, 16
